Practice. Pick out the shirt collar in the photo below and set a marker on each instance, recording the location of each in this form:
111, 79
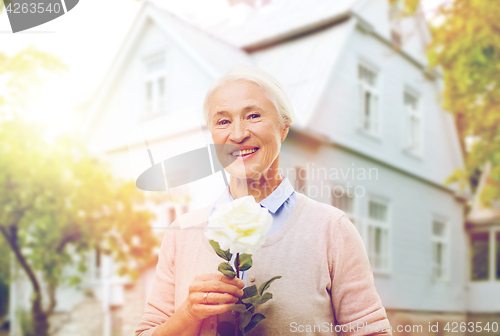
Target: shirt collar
272, 202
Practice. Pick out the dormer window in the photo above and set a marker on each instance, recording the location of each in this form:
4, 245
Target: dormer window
396, 37
369, 98
155, 84
396, 14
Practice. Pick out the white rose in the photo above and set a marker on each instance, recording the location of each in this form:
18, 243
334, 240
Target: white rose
240, 226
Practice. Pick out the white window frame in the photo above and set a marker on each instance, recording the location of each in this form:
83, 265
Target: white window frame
413, 115
157, 103
369, 125
385, 227
440, 272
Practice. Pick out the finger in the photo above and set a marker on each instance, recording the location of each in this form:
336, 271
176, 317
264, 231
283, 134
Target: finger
232, 281
215, 298
216, 286
208, 310
221, 277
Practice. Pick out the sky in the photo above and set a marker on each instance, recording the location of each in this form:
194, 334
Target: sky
87, 39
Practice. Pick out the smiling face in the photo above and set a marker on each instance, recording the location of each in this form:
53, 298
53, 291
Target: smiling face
241, 115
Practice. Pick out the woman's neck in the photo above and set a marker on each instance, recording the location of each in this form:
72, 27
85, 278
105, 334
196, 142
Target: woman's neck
259, 188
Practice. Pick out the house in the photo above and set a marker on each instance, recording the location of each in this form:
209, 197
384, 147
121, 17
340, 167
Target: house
370, 136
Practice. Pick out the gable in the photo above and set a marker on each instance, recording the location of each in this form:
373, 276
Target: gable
125, 107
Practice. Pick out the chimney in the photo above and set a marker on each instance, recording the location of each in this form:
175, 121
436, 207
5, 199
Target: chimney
251, 3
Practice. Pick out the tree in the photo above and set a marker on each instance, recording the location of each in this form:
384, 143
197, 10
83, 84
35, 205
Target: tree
466, 45
22, 74
56, 201
4, 280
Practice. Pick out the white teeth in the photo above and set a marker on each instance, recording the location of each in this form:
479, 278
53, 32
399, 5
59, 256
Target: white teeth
244, 152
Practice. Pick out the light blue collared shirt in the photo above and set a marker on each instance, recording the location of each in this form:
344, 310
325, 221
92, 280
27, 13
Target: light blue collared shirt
279, 203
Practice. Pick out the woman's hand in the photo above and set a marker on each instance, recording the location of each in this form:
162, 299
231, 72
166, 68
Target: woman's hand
221, 292
212, 294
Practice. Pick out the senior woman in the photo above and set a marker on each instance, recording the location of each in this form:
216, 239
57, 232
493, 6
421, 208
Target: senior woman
327, 283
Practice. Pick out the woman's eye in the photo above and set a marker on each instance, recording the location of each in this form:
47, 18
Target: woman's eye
222, 122
254, 115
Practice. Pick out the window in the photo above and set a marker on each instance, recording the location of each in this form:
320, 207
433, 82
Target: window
396, 38
378, 235
396, 13
343, 201
480, 249
439, 249
155, 84
368, 99
413, 124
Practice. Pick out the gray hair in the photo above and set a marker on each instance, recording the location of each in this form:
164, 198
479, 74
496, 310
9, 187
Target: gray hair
273, 89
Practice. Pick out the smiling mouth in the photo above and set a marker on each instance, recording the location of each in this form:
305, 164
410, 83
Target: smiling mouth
244, 152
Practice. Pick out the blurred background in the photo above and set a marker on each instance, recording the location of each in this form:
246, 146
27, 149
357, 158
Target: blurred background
397, 124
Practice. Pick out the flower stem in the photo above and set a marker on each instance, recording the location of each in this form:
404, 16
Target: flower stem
236, 266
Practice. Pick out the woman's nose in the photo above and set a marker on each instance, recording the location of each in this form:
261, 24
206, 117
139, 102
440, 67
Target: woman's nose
239, 133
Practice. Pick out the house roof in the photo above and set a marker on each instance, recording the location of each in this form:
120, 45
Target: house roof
481, 214
248, 28
219, 54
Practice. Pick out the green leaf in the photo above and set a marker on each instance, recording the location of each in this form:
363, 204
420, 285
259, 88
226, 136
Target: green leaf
264, 298
237, 307
245, 262
223, 254
226, 269
266, 284
245, 318
253, 322
252, 299
249, 292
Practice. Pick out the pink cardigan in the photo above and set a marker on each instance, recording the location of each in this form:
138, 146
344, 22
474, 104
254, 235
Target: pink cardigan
326, 285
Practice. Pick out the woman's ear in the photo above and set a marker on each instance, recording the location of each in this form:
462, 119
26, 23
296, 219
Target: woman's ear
284, 132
